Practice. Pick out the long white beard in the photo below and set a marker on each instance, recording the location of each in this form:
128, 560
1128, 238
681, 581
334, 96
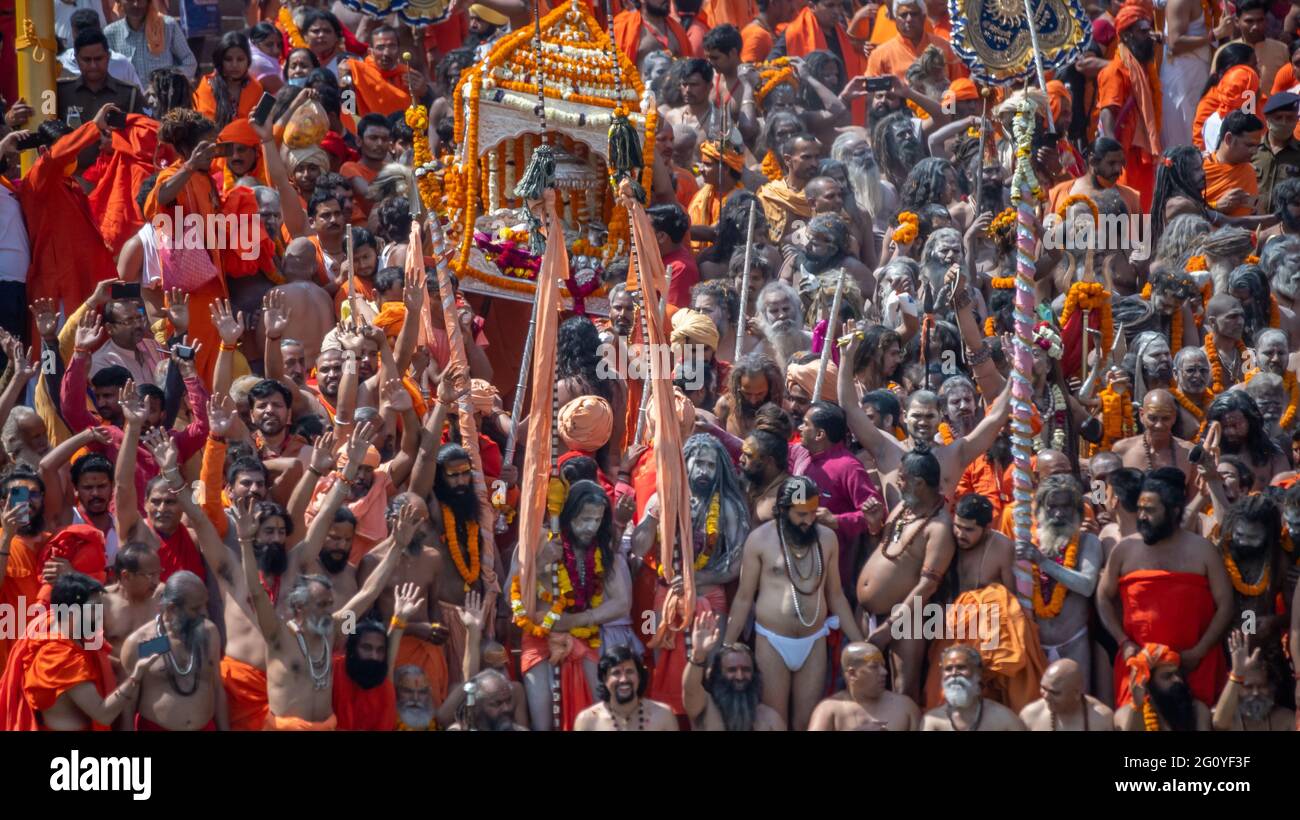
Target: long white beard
867, 191
960, 692
789, 341
1052, 540
415, 717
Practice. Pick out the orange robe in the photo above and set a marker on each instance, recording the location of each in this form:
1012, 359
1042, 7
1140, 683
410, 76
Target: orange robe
756, 43
362, 710
1115, 87
686, 186
670, 663
897, 55
21, 586
246, 692
883, 28
1220, 177
736, 12
113, 200
69, 256
430, 658
41, 669
982, 477
627, 35
360, 205
199, 196
804, 35
205, 102
704, 209
275, 723
1013, 659
1175, 609
379, 91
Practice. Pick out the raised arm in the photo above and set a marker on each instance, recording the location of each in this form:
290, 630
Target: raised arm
245, 521
413, 295
395, 397
403, 530
90, 336
320, 525
126, 501
295, 217
981, 439
322, 461
863, 429
51, 470
231, 327
424, 468
276, 315
705, 637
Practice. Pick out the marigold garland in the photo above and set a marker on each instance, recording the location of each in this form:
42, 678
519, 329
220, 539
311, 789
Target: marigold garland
1116, 417
1187, 404
1091, 296
771, 167
1196, 264
1052, 608
909, 227
290, 28
1218, 384
1076, 199
1239, 583
1002, 222
1292, 386
990, 326
1003, 283
1149, 718
785, 75
945, 432
1175, 322
469, 574
710, 535
558, 604
1251, 259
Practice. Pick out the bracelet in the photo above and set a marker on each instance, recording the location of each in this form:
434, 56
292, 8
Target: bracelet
693, 662
311, 469
961, 298
397, 623
84, 350
980, 356
342, 478
229, 348
1237, 679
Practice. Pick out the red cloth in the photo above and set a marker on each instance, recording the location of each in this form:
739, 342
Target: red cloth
239, 260
685, 275
1072, 338
575, 695
69, 256
82, 545
1174, 609
627, 35
41, 668
135, 156
362, 710
21, 585
670, 664
178, 551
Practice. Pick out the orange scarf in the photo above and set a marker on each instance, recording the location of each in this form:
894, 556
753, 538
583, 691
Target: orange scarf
155, 27
378, 90
1146, 98
627, 35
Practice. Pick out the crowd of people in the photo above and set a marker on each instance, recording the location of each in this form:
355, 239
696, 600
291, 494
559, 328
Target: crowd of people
237, 493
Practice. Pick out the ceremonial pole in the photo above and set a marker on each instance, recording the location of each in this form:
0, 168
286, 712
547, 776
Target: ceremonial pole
38, 62
744, 278
1024, 193
831, 335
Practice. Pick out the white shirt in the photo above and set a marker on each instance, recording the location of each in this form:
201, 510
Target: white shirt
15, 250
63, 11
110, 537
1210, 131
120, 68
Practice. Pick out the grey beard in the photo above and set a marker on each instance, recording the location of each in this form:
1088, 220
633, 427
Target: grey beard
1255, 708
322, 625
786, 343
415, 717
1282, 285
1052, 539
960, 691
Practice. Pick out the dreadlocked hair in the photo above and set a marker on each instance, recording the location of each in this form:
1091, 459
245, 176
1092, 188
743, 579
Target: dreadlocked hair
1174, 173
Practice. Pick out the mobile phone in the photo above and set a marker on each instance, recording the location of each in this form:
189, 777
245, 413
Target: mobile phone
155, 646
116, 120
880, 83
126, 290
184, 352
19, 495
263, 109
225, 150
33, 140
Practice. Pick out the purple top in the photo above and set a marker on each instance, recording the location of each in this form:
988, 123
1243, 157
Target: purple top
845, 487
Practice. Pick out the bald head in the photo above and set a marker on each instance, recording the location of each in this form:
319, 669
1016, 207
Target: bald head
1104, 463
1053, 462
859, 653
299, 260
1065, 677
1159, 401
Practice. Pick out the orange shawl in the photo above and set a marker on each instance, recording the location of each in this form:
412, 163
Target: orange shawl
704, 210
804, 35
1227, 96
648, 274
21, 585
627, 35
155, 28
362, 710
205, 102
379, 91
1146, 99
1220, 177
136, 151
41, 668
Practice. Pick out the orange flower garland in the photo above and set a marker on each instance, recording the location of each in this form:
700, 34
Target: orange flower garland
771, 167
1218, 385
1274, 312
784, 75
945, 432
1003, 282
1004, 221
290, 28
909, 226
1116, 417
1052, 608
990, 326
1197, 263
469, 574
1187, 404
1251, 259
1175, 321
1149, 719
1239, 584
1076, 199
1091, 296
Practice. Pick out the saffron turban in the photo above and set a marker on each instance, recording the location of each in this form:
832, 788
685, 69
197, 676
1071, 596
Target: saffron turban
962, 89
372, 458
1239, 83
1152, 656
714, 151
483, 395
390, 318
586, 423
682, 408
312, 153
240, 131
1058, 97
1131, 13
694, 327
805, 376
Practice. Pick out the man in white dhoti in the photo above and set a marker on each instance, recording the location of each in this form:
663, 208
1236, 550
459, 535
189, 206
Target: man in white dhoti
1185, 69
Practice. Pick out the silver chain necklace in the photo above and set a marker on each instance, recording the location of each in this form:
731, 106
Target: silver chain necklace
319, 680
171, 656
794, 590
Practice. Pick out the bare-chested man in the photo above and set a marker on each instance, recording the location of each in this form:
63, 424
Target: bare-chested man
729, 697
184, 693
764, 467
1155, 672
300, 650
491, 709
308, 303
790, 579
1248, 702
965, 710
1064, 706
1166, 585
1156, 446
915, 550
922, 419
131, 601
621, 705
1191, 389
866, 704
754, 381
1245, 435
984, 555
1066, 556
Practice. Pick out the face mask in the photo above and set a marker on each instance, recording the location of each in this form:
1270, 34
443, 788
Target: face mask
1279, 132
298, 82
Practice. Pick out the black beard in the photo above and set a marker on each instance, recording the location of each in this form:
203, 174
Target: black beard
188, 629
702, 486
817, 264
797, 535
272, 559
1145, 51
35, 523
1175, 705
332, 563
753, 477
504, 722
366, 674
463, 502
620, 699
1154, 534
738, 706
748, 410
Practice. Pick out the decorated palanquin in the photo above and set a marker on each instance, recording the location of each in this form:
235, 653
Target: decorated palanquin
994, 38
586, 81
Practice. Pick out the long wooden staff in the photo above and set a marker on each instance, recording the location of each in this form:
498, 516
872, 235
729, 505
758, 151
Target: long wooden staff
744, 277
